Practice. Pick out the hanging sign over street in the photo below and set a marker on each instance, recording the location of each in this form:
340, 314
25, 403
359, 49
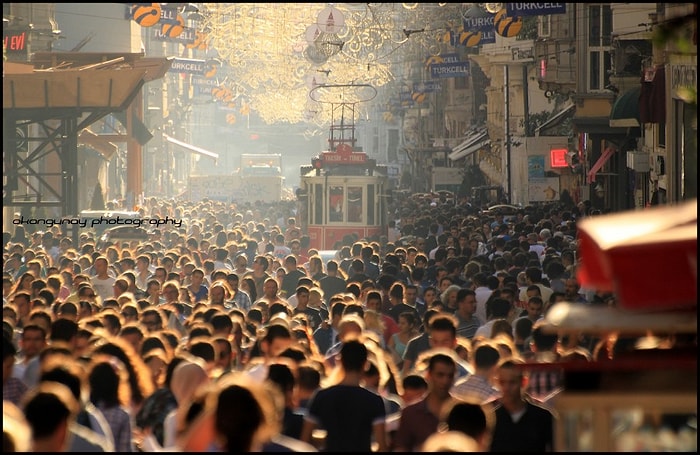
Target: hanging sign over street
448, 70
534, 9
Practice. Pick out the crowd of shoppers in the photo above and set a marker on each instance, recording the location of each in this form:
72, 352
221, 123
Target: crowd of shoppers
229, 333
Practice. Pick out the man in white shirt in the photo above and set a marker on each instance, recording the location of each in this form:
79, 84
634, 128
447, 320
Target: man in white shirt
102, 282
533, 275
498, 309
535, 245
483, 292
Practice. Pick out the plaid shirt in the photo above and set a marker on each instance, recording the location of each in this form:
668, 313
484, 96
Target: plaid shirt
475, 386
543, 383
13, 390
120, 423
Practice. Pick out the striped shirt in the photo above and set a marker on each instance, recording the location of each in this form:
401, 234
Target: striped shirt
468, 328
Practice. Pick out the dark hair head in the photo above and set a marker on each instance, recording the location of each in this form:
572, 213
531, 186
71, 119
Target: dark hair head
104, 384
471, 419
498, 308
204, 349
309, 376
543, 341
353, 355
281, 375
486, 356
236, 426
48, 406
63, 329
414, 381
441, 358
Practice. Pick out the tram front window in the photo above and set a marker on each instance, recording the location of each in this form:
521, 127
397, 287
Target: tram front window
335, 203
355, 204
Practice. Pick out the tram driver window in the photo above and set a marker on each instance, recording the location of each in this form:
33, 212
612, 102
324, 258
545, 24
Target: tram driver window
335, 203
355, 204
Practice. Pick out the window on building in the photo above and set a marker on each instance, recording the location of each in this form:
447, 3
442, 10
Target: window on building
661, 135
544, 26
599, 38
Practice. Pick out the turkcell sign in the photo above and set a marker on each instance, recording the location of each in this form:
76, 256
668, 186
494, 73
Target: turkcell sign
187, 66
186, 37
203, 81
448, 70
203, 86
426, 87
450, 58
534, 9
168, 15
471, 24
488, 36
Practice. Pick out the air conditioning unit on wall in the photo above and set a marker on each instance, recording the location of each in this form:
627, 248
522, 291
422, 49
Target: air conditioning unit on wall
638, 161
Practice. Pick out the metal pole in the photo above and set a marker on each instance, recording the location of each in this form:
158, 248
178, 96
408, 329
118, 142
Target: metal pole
507, 128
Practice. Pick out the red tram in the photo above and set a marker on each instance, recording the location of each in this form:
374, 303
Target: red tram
342, 193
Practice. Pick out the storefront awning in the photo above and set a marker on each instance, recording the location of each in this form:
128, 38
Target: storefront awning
556, 118
604, 157
625, 110
191, 147
470, 145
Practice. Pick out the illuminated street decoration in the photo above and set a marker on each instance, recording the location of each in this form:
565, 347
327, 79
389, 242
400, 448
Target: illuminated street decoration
271, 50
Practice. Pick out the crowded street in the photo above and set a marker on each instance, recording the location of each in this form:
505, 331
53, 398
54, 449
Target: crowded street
349, 227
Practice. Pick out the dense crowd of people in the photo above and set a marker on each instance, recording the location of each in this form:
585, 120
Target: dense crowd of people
229, 333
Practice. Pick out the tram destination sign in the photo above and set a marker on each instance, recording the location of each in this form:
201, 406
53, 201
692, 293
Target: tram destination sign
344, 158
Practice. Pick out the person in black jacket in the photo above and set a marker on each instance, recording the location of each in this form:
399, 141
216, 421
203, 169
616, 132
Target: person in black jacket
522, 423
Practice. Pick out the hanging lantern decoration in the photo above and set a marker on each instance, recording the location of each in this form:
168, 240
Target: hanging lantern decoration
330, 20
505, 26
328, 44
314, 55
329, 23
146, 15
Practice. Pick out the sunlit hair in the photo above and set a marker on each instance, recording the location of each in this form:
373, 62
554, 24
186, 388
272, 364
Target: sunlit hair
140, 381
16, 432
246, 416
109, 382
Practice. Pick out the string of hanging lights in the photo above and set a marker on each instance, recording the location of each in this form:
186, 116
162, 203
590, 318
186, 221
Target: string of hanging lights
274, 52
